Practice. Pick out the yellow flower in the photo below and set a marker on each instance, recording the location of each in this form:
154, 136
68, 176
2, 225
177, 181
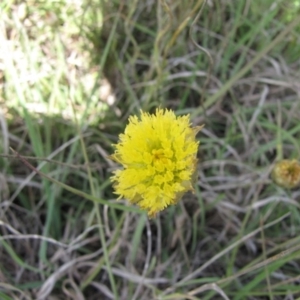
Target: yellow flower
158, 155
286, 173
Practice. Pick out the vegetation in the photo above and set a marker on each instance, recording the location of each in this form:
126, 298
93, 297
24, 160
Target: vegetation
72, 72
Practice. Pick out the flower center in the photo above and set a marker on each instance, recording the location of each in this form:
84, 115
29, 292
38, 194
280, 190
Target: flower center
158, 154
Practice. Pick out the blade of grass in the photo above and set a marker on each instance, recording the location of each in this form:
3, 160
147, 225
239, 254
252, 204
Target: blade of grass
220, 254
215, 97
78, 192
101, 260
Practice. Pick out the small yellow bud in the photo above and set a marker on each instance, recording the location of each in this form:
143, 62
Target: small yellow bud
286, 173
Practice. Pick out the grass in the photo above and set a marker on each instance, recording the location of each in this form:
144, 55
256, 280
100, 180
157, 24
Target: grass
71, 74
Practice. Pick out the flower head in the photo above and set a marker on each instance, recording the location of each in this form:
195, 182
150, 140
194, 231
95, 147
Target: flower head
286, 173
158, 155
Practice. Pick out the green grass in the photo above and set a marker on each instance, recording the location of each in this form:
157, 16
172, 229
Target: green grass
72, 73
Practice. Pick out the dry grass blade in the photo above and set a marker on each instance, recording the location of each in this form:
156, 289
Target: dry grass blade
222, 253
109, 59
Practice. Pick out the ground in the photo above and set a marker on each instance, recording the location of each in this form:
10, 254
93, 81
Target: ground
72, 72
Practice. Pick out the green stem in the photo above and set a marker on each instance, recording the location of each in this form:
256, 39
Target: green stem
98, 215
